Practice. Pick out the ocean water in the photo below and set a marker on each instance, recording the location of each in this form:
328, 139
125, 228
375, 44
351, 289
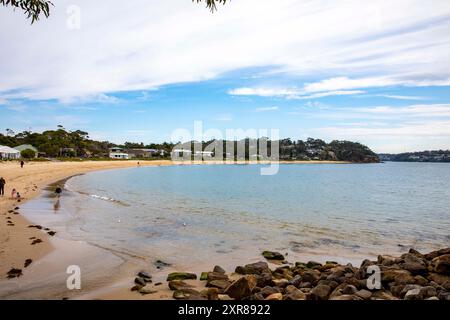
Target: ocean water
204, 214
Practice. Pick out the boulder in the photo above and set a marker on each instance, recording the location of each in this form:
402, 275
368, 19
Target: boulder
280, 282
253, 268
349, 289
440, 279
390, 274
321, 292
181, 276
216, 276
267, 291
263, 279
272, 255
292, 293
313, 264
219, 284
219, 269
241, 288
441, 264
295, 281
204, 276
383, 295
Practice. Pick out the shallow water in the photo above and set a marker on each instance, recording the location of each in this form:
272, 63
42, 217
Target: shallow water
190, 215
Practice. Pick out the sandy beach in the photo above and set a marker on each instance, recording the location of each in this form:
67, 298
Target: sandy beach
15, 241
16, 236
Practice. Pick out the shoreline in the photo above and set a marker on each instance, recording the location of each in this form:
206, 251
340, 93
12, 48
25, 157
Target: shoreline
35, 177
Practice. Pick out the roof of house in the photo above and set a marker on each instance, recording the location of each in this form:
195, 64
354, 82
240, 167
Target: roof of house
5, 149
25, 147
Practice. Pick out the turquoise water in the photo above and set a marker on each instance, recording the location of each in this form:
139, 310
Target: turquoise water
192, 214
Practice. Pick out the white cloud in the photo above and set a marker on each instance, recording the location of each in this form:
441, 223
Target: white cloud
143, 44
264, 109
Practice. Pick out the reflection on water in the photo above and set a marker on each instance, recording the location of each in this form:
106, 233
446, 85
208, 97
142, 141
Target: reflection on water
189, 214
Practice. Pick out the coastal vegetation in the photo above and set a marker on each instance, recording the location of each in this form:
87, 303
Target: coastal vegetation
63, 143
422, 156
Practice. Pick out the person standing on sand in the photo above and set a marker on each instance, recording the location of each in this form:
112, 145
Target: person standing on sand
22, 163
2, 186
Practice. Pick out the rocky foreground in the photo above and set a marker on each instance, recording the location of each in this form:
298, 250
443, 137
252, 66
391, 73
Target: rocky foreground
412, 276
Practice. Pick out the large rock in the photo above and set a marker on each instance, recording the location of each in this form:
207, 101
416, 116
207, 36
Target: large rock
391, 274
253, 268
219, 284
440, 279
292, 293
272, 255
414, 264
441, 264
219, 269
263, 279
216, 276
313, 264
241, 288
321, 292
181, 276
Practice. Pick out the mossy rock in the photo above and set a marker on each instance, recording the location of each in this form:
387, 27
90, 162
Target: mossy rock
204, 276
313, 264
271, 255
181, 276
300, 265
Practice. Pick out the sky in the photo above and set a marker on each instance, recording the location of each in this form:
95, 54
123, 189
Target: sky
375, 72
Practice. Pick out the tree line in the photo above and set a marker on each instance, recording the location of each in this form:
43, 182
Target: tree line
66, 144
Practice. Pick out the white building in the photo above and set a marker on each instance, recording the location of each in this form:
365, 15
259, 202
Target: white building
118, 153
7, 153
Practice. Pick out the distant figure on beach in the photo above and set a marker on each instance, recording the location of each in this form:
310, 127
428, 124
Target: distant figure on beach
13, 192
2, 186
138, 164
58, 191
22, 163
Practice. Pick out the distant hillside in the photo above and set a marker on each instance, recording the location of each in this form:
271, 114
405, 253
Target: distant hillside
66, 144
421, 156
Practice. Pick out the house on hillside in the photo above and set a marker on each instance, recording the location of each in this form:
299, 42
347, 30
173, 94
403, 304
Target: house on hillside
144, 153
7, 153
27, 147
118, 153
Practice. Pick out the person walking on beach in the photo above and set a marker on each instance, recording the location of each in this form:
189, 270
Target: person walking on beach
2, 186
22, 163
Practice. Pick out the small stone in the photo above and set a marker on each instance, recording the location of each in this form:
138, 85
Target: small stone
349, 289
27, 263
225, 297
413, 294
36, 241
442, 264
14, 273
51, 233
187, 294
272, 255
363, 294
146, 290
179, 285
140, 281
145, 275
275, 296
